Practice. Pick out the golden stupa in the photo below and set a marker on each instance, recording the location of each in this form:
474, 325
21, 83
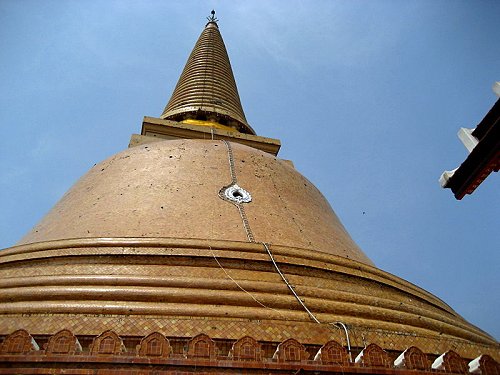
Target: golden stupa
197, 245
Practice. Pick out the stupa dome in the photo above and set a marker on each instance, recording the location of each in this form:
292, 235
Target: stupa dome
149, 235
171, 189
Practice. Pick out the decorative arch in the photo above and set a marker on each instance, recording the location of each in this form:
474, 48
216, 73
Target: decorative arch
484, 365
201, 346
332, 353
413, 359
246, 349
154, 345
107, 343
18, 342
63, 342
290, 351
450, 362
373, 356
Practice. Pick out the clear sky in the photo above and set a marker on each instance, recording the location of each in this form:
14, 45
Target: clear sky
366, 97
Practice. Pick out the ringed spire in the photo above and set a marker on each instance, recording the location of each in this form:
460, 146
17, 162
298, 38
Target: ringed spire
206, 93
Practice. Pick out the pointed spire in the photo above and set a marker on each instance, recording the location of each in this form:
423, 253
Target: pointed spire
206, 93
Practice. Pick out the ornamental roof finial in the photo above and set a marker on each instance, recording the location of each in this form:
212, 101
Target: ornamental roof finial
212, 17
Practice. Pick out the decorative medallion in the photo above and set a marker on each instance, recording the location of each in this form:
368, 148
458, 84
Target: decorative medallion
235, 194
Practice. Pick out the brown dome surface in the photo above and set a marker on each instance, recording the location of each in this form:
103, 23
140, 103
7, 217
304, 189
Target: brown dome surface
171, 189
201, 255
143, 242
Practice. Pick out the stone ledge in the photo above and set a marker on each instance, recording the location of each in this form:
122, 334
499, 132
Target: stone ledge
155, 129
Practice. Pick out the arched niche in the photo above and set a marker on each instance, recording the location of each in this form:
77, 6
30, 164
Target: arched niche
412, 359
246, 349
107, 343
154, 345
332, 353
450, 362
63, 342
201, 346
373, 356
290, 351
484, 365
18, 342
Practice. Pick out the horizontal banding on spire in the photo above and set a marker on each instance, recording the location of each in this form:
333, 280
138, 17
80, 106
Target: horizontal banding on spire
206, 89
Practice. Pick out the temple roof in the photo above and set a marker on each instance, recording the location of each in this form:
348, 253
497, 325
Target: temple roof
206, 93
483, 144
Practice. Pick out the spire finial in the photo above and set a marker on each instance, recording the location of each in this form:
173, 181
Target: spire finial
212, 17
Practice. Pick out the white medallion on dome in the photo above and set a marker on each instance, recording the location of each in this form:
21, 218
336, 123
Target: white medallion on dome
236, 194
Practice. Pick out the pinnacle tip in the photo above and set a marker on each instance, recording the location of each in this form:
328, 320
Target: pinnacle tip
212, 18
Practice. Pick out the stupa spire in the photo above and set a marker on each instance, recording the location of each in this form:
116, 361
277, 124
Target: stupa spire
206, 93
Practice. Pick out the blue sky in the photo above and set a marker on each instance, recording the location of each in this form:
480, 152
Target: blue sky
366, 97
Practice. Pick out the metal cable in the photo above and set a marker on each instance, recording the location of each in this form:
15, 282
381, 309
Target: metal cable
239, 286
338, 325
311, 315
251, 238
231, 162
246, 224
241, 209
